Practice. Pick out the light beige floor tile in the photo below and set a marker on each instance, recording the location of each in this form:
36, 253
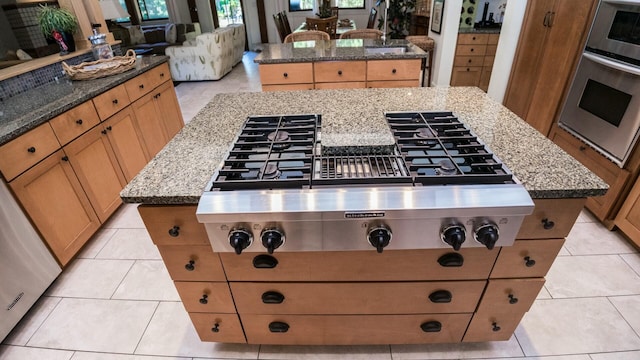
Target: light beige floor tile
130, 244
96, 243
564, 252
633, 260
627, 355
23, 331
325, 352
27, 353
126, 217
95, 325
561, 357
147, 280
544, 294
171, 333
105, 356
596, 275
574, 326
586, 216
90, 278
594, 239
629, 307
485, 350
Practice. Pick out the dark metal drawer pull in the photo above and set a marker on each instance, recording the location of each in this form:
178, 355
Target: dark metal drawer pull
190, 265
264, 262
513, 299
451, 260
272, 297
440, 296
174, 231
495, 327
548, 224
31, 149
204, 299
216, 327
529, 262
278, 327
431, 326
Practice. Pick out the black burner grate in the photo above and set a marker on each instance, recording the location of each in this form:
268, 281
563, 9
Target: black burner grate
376, 169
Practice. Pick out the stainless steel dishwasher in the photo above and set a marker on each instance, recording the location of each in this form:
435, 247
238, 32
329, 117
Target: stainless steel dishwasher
27, 267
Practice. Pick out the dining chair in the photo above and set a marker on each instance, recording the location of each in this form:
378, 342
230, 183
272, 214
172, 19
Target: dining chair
285, 22
334, 11
372, 18
307, 35
362, 34
328, 25
279, 26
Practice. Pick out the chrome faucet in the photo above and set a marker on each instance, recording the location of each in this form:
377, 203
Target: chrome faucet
386, 10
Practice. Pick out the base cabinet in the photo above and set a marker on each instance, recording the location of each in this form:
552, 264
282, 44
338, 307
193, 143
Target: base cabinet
628, 219
359, 297
68, 172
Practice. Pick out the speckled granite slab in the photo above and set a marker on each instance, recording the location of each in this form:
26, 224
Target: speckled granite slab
334, 50
24, 112
352, 117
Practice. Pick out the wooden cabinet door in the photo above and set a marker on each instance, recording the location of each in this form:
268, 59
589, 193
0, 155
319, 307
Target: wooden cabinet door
466, 76
169, 109
150, 123
127, 144
96, 166
628, 219
53, 197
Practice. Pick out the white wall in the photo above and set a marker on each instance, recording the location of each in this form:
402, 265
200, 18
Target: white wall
445, 47
204, 15
179, 11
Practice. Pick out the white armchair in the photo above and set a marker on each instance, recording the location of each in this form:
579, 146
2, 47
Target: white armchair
209, 57
238, 42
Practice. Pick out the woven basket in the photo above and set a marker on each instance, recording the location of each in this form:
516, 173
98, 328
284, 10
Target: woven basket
101, 68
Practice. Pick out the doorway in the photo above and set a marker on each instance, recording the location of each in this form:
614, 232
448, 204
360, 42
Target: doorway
228, 12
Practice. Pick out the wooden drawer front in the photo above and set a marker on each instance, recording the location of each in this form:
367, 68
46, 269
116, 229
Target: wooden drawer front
111, 101
491, 50
488, 61
144, 83
493, 39
22, 153
224, 328
472, 39
357, 298
393, 69
393, 84
510, 295
173, 225
337, 71
551, 218
213, 297
286, 73
487, 326
291, 87
466, 76
526, 258
471, 50
75, 122
468, 61
353, 329
342, 85
192, 263
361, 265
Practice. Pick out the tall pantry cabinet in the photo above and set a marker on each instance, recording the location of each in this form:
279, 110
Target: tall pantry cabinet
551, 41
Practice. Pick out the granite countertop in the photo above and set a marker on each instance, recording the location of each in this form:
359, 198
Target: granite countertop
351, 117
24, 112
333, 50
479, 31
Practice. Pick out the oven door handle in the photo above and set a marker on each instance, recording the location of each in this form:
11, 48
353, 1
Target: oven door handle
612, 64
621, 2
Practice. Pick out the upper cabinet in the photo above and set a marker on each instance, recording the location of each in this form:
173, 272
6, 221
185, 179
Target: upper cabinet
551, 41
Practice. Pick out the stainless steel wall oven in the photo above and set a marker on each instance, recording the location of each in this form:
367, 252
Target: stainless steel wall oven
603, 104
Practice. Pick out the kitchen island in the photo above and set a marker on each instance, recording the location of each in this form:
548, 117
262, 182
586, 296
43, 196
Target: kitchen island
222, 291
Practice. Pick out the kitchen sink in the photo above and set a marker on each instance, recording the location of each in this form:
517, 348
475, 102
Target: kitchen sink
385, 50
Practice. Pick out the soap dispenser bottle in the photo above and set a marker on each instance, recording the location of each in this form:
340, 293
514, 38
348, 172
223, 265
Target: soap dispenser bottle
99, 46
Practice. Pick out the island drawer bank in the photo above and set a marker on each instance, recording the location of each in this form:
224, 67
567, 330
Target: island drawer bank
68, 171
337, 64
342, 297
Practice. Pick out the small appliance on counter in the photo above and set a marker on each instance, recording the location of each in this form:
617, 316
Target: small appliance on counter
99, 46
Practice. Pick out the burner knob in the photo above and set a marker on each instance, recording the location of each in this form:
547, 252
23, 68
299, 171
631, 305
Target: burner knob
487, 235
379, 237
240, 239
272, 239
454, 235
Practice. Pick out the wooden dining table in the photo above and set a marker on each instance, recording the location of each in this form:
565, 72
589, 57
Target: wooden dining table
341, 29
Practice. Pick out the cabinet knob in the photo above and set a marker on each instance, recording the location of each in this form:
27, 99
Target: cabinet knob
103, 131
473, 38
162, 74
529, 262
340, 72
471, 49
109, 128
174, 231
548, 224
582, 148
190, 266
285, 75
65, 158
115, 101
495, 327
203, 300
141, 86
216, 327
513, 299
31, 149
79, 121
394, 71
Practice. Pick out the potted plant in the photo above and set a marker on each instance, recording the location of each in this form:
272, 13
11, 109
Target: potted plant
58, 24
398, 17
324, 9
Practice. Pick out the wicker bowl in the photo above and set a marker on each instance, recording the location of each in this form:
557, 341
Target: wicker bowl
101, 68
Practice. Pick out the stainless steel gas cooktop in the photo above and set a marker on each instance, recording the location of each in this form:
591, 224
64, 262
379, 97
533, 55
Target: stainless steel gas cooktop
439, 187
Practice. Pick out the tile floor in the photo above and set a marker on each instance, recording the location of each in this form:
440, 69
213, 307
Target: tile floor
116, 300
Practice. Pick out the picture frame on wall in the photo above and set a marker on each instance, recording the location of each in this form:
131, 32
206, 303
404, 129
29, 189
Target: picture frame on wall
437, 13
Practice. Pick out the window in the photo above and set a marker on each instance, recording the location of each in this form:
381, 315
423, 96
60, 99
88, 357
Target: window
350, 4
300, 5
148, 9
